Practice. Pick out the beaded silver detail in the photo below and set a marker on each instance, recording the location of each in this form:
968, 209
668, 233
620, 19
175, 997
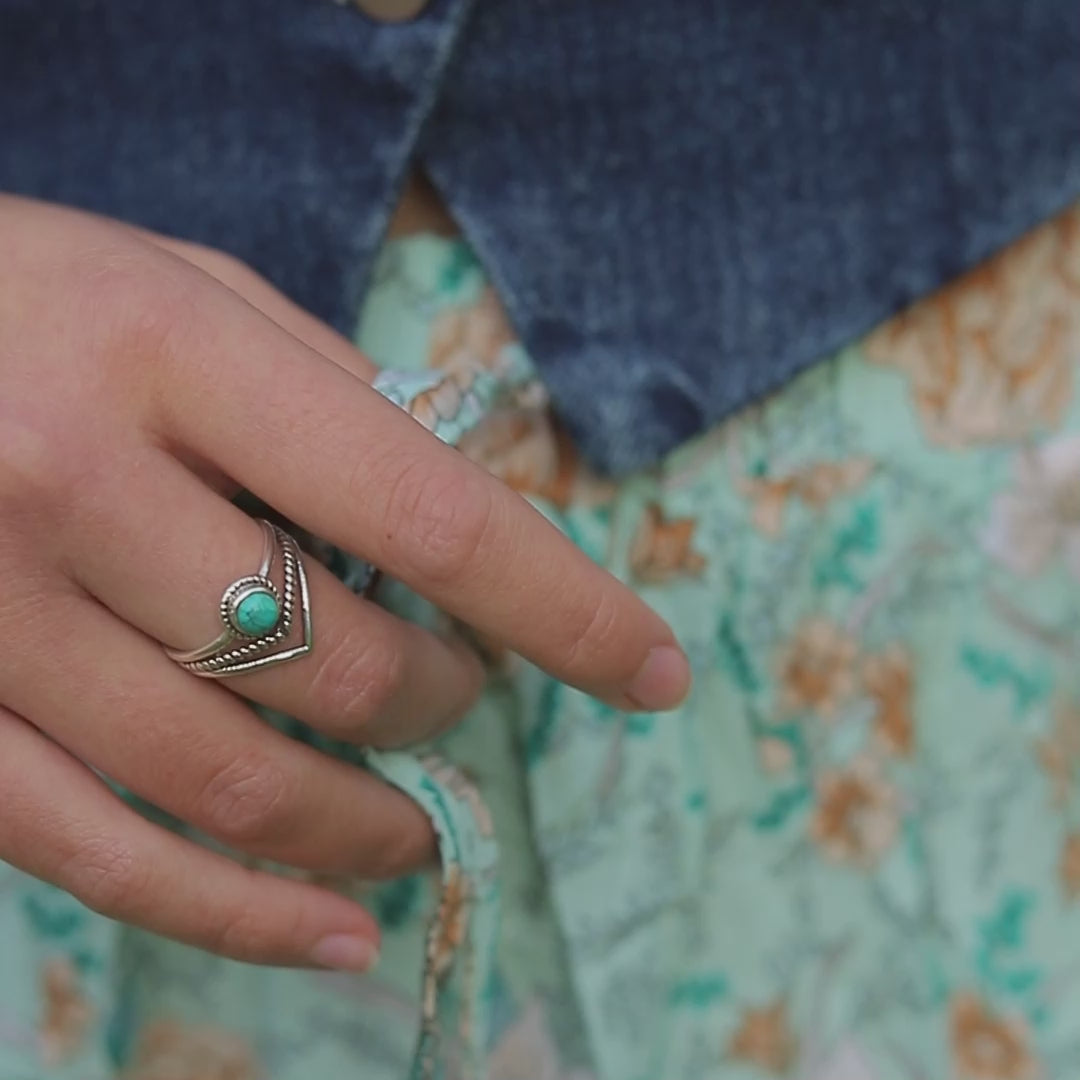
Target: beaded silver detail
233, 651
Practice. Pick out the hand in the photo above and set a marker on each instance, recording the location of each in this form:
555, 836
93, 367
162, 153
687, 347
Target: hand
143, 382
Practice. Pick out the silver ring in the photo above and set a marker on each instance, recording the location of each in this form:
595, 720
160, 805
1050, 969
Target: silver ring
257, 616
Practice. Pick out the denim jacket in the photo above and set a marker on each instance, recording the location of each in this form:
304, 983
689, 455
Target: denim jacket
681, 204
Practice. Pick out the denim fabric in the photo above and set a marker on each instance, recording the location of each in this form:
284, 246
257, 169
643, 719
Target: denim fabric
682, 205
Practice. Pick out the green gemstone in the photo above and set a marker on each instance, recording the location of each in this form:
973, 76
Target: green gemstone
257, 613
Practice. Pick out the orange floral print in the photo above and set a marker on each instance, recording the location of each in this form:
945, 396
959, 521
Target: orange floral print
1069, 866
170, 1050
464, 338
521, 443
887, 679
1058, 753
775, 755
986, 1046
816, 670
463, 342
530, 452
1067, 263
446, 936
990, 358
662, 548
517, 446
764, 1038
768, 499
442, 402
464, 786
815, 486
450, 924
857, 817
66, 1012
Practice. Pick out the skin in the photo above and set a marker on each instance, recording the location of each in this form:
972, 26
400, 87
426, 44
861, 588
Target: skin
143, 382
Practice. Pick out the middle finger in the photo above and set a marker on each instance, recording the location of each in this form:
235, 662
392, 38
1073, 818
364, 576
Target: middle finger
396, 495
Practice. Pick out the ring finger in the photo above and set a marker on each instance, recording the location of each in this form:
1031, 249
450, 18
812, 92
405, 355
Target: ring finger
193, 749
370, 677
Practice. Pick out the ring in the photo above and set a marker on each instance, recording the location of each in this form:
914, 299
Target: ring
257, 618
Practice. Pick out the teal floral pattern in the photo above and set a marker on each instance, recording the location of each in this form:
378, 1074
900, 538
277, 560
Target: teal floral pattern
852, 854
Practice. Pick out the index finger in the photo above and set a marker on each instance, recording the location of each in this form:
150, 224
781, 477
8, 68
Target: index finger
332, 454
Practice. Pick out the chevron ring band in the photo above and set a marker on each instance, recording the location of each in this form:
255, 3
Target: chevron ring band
258, 616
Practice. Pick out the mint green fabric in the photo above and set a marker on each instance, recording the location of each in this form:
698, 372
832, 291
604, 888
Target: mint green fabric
852, 854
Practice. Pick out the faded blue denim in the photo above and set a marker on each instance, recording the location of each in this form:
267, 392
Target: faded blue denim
682, 204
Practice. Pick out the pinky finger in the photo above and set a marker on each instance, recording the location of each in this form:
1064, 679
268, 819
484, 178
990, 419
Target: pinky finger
60, 823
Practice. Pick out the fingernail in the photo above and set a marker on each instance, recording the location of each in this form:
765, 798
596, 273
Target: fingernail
344, 952
662, 681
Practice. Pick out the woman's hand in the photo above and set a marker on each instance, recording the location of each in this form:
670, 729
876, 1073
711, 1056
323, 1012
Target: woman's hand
143, 382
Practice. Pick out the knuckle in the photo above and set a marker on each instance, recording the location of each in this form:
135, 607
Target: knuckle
49, 449
439, 519
134, 303
54, 443
591, 632
358, 677
247, 802
106, 876
35, 466
55, 468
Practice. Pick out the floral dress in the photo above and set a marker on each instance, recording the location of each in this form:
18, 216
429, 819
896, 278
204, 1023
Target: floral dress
852, 854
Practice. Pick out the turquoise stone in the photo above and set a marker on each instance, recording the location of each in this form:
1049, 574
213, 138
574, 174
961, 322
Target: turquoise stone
257, 613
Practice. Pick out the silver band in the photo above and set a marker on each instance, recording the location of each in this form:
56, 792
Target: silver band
257, 617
